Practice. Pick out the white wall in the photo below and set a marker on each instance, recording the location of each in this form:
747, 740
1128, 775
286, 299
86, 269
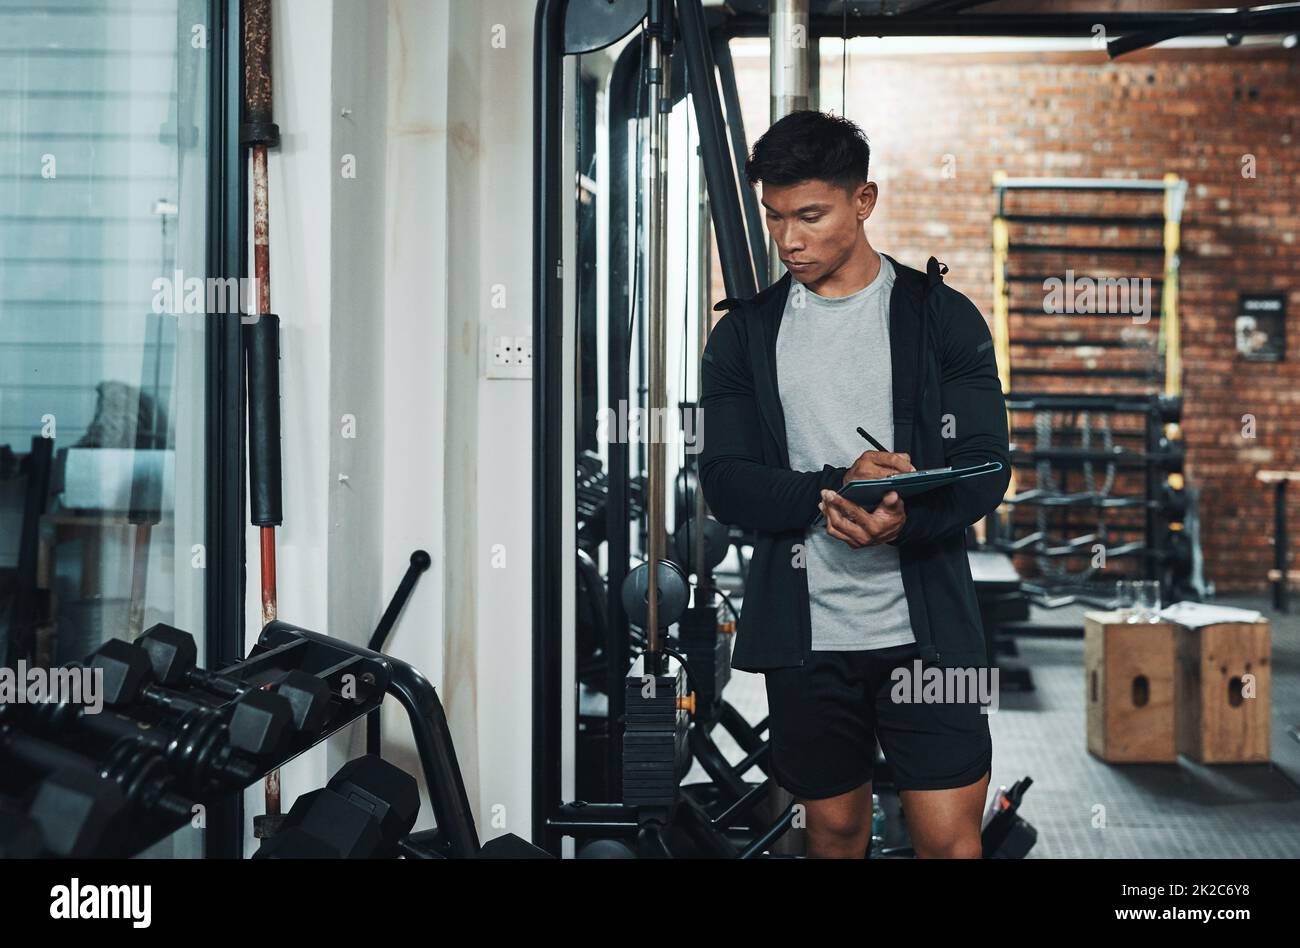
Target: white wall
489, 422
381, 320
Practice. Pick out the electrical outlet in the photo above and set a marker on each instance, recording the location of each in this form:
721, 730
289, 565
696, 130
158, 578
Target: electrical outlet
507, 354
524, 352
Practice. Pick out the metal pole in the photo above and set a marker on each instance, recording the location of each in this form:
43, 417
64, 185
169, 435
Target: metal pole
738, 272
260, 132
740, 151
548, 336
704, 281
791, 39
656, 344
1281, 546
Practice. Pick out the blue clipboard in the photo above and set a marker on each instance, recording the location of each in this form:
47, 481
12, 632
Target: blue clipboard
869, 494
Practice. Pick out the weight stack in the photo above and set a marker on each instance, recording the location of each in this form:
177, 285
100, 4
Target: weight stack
708, 653
655, 750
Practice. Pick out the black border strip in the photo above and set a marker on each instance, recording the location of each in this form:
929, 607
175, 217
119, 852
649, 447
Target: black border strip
227, 257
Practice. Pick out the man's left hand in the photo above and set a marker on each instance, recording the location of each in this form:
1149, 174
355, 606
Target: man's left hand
858, 527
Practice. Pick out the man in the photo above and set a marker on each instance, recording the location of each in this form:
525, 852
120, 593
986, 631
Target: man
851, 338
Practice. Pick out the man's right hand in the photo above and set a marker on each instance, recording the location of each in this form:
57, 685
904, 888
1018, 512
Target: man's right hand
873, 465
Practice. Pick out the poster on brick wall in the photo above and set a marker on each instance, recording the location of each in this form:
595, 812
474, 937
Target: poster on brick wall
1261, 327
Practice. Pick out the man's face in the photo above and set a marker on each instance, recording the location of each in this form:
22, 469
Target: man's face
816, 224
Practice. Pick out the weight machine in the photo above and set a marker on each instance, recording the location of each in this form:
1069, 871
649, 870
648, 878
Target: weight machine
664, 704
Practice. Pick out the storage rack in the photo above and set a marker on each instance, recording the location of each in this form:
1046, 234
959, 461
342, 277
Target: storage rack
1106, 410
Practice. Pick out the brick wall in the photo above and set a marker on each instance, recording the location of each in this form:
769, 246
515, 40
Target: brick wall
1192, 112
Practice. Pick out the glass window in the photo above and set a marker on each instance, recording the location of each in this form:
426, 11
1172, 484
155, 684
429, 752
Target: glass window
103, 172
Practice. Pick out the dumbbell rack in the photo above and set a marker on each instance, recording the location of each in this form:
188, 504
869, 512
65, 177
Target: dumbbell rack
1104, 395
592, 495
140, 772
1145, 516
358, 679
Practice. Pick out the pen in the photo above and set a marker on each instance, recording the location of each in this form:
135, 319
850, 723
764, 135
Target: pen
877, 444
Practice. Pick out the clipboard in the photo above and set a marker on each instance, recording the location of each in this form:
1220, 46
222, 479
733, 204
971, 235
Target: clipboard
869, 494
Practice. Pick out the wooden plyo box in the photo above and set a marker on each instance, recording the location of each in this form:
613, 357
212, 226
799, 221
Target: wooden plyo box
1129, 677
1218, 721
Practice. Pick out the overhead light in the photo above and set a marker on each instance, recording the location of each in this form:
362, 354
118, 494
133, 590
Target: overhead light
1290, 40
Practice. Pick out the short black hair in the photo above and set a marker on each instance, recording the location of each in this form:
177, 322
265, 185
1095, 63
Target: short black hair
808, 144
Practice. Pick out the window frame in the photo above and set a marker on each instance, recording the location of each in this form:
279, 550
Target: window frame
227, 249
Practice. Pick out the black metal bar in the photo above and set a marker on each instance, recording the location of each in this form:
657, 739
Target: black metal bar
624, 83
724, 199
548, 326
773, 833
581, 819
1024, 432
1039, 278
1100, 342
24, 615
740, 152
1281, 544
935, 7
224, 410
1032, 401
1134, 249
731, 786
1152, 373
1037, 311
420, 561
1048, 183
1155, 532
1125, 460
1100, 220
1005, 24
433, 741
1239, 22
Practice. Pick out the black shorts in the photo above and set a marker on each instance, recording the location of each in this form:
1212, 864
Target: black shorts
826, 715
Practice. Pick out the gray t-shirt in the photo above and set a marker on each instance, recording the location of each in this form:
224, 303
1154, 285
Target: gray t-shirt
834, 375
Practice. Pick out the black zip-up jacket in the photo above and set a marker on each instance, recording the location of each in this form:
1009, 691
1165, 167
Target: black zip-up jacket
948, 387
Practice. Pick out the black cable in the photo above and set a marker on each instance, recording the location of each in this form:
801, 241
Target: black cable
686, 266
844, 59
636, 246
727, 599
690, 684
709, 587
636, 270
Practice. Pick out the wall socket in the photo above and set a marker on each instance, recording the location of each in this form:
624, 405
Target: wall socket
507, 351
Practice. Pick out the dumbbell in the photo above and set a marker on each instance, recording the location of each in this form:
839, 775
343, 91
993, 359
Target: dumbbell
78, 805
364, 812
173, 656
20, 834
257, 722
207, 748
77, 812
195, 747
386, 791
